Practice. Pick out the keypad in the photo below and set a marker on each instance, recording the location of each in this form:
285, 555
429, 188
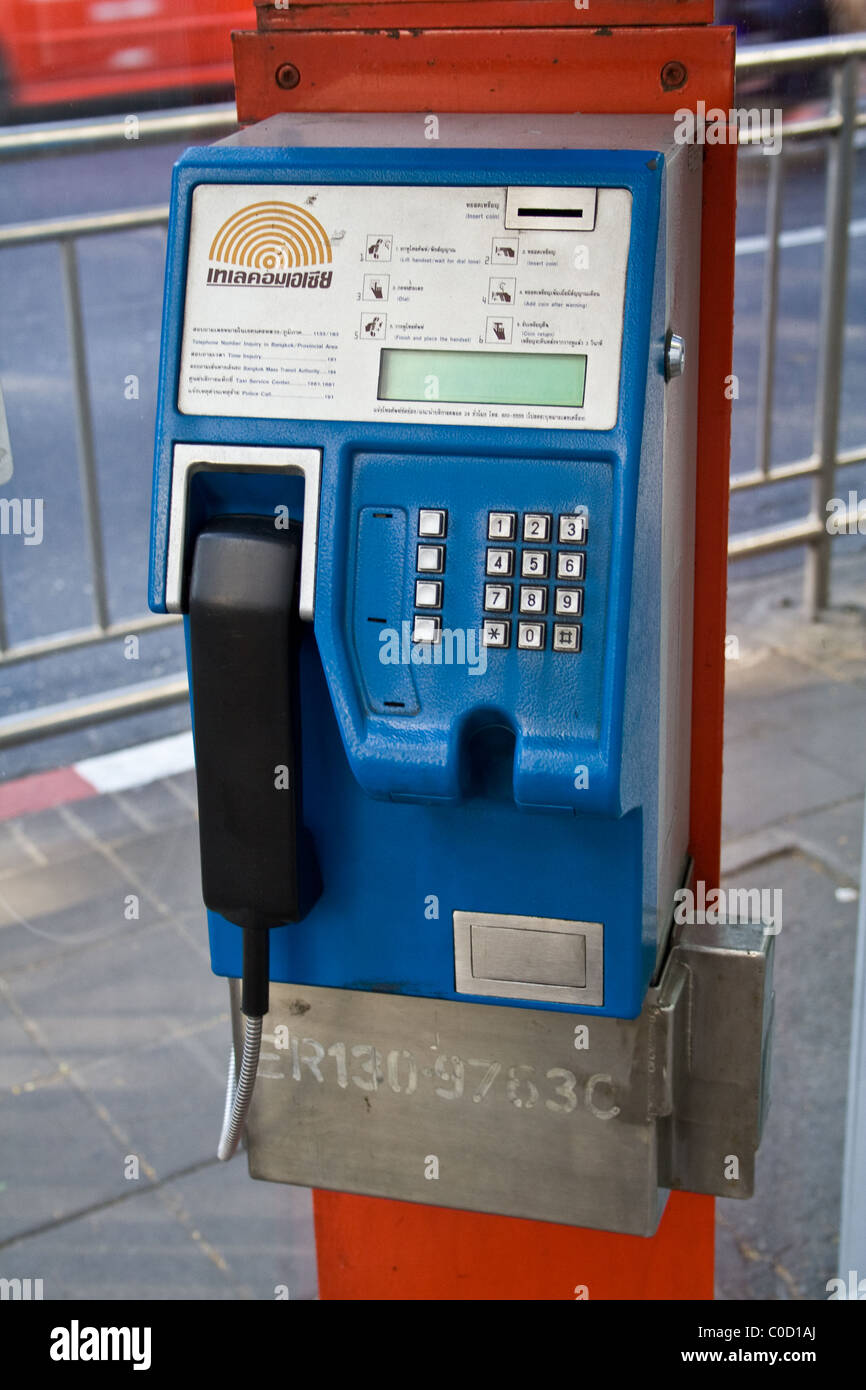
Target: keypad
543, 552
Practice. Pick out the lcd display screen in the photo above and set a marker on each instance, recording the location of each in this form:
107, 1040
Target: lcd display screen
482, 378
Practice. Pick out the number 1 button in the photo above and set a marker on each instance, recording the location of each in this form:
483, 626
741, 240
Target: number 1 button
501, 526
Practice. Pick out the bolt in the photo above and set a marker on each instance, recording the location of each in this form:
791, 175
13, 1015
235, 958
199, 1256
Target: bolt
674, 75
287, 76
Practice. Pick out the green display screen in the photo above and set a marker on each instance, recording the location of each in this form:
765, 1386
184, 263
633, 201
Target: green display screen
482, 378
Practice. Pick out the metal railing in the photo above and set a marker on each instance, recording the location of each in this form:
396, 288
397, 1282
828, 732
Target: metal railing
66, 232
838, 127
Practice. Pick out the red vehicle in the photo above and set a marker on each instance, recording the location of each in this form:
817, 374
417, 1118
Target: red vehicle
61, 51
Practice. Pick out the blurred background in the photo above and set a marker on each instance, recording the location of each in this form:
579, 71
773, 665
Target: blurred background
97, 100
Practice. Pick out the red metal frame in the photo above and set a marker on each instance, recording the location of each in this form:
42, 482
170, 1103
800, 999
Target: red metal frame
477, 70
371, 1248
485, 14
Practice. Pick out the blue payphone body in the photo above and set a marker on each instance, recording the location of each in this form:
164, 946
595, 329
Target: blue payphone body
424, 490
448, 365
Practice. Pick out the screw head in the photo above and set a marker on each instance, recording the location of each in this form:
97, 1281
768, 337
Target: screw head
674, 75
675, 356
287, 76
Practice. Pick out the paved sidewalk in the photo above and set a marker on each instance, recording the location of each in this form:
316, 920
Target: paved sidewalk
795, 770
113, 1032
114, 1036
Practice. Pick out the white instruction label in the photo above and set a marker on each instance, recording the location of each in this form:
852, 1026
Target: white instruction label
415, 304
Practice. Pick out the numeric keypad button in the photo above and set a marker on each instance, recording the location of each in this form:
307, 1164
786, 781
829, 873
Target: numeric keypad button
497, 598
536, 527
501, 526
496, 632
571, 564
500, 563
572, 530
533, 600
566, 637
535, 564
530, 637
568, 603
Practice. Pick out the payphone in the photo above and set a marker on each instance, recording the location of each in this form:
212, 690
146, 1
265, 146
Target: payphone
424, 489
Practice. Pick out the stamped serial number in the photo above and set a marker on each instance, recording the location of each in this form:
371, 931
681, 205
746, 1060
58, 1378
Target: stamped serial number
450, 1078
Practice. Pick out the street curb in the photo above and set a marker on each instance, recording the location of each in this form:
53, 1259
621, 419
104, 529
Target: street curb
110, 772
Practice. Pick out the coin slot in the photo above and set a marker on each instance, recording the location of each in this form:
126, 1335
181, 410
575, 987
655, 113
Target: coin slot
551, 209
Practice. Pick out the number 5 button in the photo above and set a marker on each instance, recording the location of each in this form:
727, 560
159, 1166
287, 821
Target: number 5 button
534, 564
568, 603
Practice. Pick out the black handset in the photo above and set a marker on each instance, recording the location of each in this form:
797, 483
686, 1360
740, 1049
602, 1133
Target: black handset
257, 862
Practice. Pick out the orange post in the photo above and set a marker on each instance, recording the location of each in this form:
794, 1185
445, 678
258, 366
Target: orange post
646, 56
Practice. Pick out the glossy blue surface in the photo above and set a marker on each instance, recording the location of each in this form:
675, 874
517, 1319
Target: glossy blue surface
530, 788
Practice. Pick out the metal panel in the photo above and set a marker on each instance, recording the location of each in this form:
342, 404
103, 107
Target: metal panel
461, 1105
551, 1116
543, 958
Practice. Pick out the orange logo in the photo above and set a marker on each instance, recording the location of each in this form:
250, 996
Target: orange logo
271, 236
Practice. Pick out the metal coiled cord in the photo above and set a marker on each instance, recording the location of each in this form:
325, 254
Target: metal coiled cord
238, 1096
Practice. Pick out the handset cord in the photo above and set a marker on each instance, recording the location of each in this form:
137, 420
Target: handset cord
254, 1006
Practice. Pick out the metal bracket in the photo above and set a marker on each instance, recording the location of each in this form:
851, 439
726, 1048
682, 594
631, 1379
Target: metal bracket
554, 1116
